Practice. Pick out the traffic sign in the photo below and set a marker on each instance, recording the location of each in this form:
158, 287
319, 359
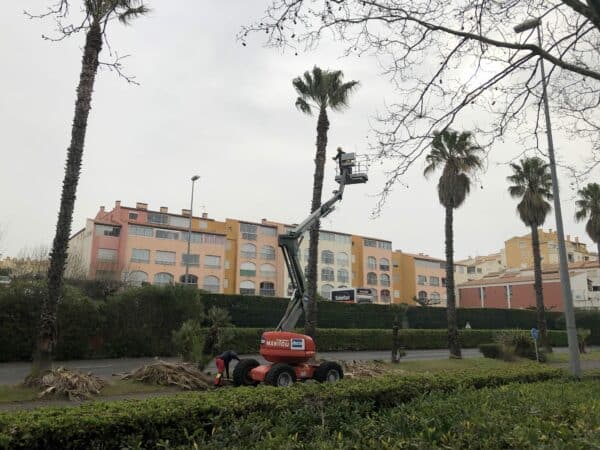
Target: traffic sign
535, 334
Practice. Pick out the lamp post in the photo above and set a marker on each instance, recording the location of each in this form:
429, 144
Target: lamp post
565, 282
189, 239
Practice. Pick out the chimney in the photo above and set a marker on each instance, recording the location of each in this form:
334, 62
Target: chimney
186, 212
102, 209
164, 209
142, 206
205, 215
118, 204
263, 221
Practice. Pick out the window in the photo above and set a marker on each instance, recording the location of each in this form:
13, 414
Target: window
268, 252
140, 255
247, 288
422, 295
327, 274
106, 275
268, 271
212, 261
372, 279
384, 279
133, 216
435, 298
343, 239
248, 231
181, 222
471, 269
422, 280
267, 289
203, 238
166, 234
189, 279
372, 263
327, 257
166, 258
385, 296
326, 236
326, 291
191, 260
370, 243
249, 251
384, 264
342, 259
384, 245
158, 218
396, 294
444, 282
163, 278
248, 269
211, 284
268, 231
479, 270
107, 230
203, 224
107, 254
136, 230
342, 276
137, 278
434, 281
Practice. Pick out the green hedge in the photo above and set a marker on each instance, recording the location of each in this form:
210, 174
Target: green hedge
151, 422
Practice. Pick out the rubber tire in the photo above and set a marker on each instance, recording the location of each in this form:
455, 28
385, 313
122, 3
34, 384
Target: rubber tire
241, 372
322, 372
275, 372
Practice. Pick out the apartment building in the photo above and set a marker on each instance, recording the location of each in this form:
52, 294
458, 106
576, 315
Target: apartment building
480, 266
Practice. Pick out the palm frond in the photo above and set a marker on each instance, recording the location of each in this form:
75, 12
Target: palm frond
129, 14
303, 106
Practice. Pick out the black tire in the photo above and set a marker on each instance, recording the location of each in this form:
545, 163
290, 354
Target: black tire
328, 372
241, 373
281, 375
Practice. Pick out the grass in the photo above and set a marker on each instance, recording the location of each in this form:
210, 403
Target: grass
591, 355
443, 365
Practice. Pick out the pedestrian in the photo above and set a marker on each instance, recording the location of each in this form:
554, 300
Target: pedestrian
222, 362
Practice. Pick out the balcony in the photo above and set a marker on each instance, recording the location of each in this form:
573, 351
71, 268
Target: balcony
249, 255
249, 236
248, 273
212, 266
267, 292
247, 291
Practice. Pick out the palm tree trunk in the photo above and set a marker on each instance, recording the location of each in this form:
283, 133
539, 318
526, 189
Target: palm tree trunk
47, 332
539, 294
453, 342
310, 324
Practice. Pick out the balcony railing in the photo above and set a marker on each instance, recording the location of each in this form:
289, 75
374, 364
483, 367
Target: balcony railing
165, 263
212, 266
247, 291
249, 236
249, 255
267, 256
268, 274
384, 268
248, 273
267, 292
385, 283
140, 260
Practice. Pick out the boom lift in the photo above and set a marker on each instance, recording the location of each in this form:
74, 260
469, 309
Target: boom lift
289, 352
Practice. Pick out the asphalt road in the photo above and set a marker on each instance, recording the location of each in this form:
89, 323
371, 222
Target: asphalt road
14, 373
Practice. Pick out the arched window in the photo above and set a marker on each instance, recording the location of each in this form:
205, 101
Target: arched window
248, 269
267, 289
247, 288
267, 252
191, 279
163, 278
384, 279
249, 251
327, 257
372, 279
268, 271
137, 278
385, 296
371, 263
422, 295
342, 276
327, 274
326, 291
435, 298
211, 284
342, 259
384, 264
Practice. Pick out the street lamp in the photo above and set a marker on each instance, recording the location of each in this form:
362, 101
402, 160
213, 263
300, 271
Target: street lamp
565, 282
189, 239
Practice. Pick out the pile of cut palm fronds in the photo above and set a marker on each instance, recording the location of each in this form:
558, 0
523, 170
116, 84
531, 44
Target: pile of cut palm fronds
362, 369
72, 384
184, 375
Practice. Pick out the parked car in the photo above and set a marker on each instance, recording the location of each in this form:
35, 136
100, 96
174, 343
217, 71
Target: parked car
4, 280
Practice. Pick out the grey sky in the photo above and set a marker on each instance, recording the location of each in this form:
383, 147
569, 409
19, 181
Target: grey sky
209, 106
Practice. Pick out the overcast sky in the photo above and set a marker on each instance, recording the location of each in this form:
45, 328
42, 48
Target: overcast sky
208, 106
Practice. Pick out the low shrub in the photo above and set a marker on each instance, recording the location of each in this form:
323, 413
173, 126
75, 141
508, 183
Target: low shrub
493, 351
153, 422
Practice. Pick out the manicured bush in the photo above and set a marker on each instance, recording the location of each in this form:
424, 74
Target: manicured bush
493, 351
150, 423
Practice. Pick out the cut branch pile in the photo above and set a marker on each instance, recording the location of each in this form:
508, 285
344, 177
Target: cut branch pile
72, 384
183, 375
364, 369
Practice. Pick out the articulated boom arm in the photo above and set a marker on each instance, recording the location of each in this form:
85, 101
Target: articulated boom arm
290, 242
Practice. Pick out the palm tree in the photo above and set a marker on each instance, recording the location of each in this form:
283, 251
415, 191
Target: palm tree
532, 183
589, 206
458, 154
319, 90
99, 14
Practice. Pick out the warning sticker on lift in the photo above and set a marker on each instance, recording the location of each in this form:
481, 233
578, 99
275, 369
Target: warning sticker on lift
297, 344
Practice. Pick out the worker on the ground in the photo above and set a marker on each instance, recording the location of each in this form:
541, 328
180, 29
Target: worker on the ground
338, 157
222, 361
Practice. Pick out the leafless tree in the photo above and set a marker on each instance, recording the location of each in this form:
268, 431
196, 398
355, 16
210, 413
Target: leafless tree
31, 262
458, 60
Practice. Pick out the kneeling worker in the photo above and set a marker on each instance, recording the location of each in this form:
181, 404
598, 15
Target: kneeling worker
222, 361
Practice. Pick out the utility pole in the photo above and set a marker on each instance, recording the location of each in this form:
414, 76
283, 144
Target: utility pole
189, 239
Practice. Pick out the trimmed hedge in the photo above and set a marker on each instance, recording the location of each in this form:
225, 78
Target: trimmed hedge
151, 422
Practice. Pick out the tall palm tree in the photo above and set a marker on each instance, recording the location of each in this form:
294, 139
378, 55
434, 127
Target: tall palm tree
458, 156
532, 183
589, 206
319, 90
99, 14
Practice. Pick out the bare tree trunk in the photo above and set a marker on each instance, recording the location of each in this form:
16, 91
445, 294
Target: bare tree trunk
47, 332
453, 342
539, 294
310, 324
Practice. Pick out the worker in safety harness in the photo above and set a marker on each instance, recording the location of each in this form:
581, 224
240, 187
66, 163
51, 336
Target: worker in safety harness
338, 157
222, 361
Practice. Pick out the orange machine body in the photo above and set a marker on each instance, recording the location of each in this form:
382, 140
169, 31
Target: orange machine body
286, 347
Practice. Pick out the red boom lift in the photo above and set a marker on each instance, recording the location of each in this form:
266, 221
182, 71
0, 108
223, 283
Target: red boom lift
289, 352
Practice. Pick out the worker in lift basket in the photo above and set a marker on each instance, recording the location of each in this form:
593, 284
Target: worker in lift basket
338, 157
222, 361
